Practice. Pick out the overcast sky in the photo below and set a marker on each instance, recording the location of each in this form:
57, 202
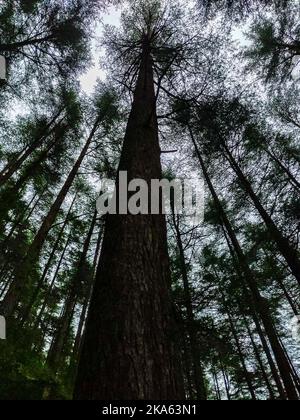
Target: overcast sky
88, 80
112, 17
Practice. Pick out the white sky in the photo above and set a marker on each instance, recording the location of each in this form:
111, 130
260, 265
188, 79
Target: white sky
89, 79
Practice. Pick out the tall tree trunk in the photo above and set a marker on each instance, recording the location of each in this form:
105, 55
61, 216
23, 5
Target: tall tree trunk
10, 195
187, 367
21, 274
19, 219
248, 298
289, 174
198, 374
283, 244
27, 310
78, 338
55, 354
250, 282
226, 380
12, 167
216, 384
238, 346
54, 278
129, 345
259, 360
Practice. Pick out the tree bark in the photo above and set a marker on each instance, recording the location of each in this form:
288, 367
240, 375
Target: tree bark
129, 345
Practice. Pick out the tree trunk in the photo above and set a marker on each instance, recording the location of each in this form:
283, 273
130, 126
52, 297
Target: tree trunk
291, 177
27, 310
78, 338
55, 275
239, 348
15, 292
129, 345
12, 167
55, 355
226, 380
259, 360
216, 384
283, 244
198, 374
10, 195
250, 282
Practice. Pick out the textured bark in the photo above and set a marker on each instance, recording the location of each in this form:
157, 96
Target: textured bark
128, 351
250, 282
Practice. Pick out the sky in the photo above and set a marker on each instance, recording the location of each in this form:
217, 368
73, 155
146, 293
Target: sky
112, 17
89, 79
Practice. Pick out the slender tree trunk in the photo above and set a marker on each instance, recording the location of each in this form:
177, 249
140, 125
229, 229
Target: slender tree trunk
27, 310
295, 373
78, 338
55, 355
55, 275
129, 345
15, 292
288, 297
226, 381
261, 334
10, 195
259, 360
187, 366
239, 348
283, 244
291, 177
16, 224
198, 374
217, 386
242, 359
15, 46
258, 302
12, 167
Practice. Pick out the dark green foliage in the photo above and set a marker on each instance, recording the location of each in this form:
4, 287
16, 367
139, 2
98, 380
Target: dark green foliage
215, 119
